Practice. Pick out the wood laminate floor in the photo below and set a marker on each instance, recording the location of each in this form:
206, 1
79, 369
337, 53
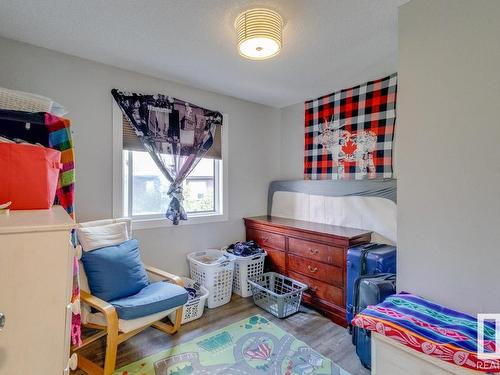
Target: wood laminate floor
327, 338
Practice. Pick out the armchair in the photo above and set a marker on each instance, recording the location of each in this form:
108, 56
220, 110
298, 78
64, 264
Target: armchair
113, 319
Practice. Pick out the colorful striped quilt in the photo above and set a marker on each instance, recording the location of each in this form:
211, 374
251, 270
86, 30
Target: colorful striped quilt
431, 329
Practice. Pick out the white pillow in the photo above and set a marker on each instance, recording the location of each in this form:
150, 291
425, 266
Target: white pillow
100, 223
96, 237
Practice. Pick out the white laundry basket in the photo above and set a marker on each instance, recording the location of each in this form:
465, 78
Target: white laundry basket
244, 268
193, 309
214, 270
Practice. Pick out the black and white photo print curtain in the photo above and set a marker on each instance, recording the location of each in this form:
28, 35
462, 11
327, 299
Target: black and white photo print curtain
176, 134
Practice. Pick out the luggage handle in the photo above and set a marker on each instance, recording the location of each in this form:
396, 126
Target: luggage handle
372, 246
365, 249
389, 276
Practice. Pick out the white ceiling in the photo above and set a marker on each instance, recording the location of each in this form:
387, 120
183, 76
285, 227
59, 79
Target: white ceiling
328, 44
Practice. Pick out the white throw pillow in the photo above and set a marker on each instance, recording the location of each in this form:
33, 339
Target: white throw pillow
100, 223
96, 237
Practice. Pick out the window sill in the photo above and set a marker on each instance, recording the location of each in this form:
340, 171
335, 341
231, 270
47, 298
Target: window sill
139, 224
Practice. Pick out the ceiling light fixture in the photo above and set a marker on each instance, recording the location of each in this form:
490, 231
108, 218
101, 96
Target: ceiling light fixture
260, 33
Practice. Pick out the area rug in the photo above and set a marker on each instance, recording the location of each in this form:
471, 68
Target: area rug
252, 346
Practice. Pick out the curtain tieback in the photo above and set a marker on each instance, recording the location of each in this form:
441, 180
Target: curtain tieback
175, 191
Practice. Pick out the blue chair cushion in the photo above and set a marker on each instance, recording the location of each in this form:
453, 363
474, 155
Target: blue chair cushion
115, 271
154, 298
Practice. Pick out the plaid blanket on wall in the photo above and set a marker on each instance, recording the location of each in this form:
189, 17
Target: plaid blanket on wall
431, 329
349, 134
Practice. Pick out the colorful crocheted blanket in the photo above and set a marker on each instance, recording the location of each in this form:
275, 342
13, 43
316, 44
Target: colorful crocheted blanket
431, 329
60, 139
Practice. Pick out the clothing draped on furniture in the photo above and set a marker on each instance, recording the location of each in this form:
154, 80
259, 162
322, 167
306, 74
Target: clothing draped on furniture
53, 132
175, 133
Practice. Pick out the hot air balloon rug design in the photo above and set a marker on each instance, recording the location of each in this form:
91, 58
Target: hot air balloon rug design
253, 346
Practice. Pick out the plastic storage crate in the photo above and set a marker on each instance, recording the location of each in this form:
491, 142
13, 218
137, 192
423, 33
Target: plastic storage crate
214, 270
245, 268
193, 309
277, 294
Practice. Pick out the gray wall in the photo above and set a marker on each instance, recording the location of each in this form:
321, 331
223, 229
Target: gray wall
449, 160
83, 87
292, 142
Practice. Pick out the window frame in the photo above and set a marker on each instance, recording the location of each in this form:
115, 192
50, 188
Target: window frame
156, 221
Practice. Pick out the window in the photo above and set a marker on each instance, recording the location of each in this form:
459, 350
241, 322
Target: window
146, 188
140, 189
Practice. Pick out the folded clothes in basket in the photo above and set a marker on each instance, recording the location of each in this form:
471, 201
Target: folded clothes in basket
194, 291
211, 258
245, 249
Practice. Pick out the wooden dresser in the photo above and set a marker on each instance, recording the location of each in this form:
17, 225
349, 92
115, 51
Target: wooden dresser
312, 253
36, 274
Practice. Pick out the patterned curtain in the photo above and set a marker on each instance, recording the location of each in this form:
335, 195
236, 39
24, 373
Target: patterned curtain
176, 134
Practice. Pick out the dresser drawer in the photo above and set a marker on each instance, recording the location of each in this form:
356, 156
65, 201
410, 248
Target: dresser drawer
320, 290
275, 258
266, 239
316, 251
319, 271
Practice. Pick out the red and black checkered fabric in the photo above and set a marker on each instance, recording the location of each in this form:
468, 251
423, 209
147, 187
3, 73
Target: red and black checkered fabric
349, 134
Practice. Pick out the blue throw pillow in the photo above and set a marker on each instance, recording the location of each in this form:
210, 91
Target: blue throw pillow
115, 271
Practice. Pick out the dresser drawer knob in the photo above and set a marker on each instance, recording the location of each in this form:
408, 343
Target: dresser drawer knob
312, 269
313, 251
73, 361
313, 289
265, 239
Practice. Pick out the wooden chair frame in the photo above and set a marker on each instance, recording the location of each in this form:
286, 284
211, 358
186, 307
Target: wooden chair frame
110, 330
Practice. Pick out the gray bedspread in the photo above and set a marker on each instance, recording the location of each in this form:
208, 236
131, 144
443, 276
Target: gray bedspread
385, 188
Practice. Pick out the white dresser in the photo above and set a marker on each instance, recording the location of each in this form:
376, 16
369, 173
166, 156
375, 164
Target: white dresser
35, 291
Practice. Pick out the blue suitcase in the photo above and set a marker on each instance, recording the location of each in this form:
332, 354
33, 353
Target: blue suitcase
368, 259
371, 290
